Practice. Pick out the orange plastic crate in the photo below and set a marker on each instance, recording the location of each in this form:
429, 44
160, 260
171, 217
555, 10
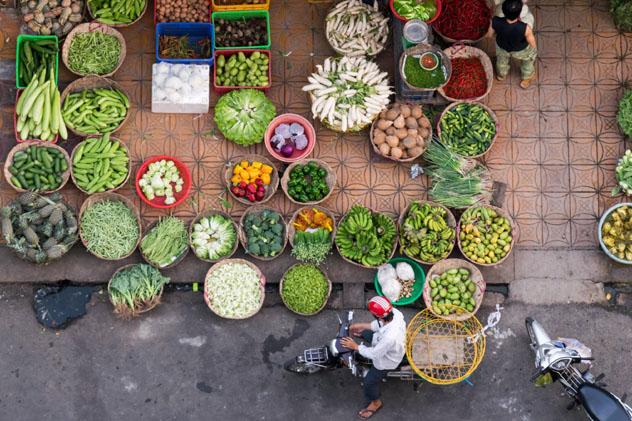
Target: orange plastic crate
234, 7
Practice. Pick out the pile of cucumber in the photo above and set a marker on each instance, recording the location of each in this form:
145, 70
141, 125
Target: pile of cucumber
38, 168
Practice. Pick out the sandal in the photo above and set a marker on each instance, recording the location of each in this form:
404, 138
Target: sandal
370, 412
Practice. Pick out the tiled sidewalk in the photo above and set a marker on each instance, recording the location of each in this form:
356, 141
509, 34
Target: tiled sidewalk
559, 139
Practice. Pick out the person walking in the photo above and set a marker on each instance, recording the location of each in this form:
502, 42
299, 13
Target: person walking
514, 39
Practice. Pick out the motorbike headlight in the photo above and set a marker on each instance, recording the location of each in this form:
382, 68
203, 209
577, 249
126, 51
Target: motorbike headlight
561, 364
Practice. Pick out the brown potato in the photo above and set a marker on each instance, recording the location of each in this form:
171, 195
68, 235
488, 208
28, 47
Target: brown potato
409, 142
392, 141
391, 131
399, 122
411, 123
379, 137
405, 110
385, 149
423, 122
417, 111
392, 114
413, 132
415, 152
424, 133
420, 141
383, 114
404, 154
401, 133
384, 124
396, 153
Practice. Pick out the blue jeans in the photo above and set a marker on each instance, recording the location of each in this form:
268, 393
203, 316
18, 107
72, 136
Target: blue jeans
374, 376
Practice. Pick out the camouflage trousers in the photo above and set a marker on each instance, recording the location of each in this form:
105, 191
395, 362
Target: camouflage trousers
526, 57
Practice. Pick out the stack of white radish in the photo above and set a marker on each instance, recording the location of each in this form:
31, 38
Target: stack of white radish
356, 29
348, 93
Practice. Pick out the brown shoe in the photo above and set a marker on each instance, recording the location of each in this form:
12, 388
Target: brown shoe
500, 78
524, 83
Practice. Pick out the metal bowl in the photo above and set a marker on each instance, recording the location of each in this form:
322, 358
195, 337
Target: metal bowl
602, 220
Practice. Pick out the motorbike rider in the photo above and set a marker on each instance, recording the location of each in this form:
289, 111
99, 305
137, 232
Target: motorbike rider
387, 338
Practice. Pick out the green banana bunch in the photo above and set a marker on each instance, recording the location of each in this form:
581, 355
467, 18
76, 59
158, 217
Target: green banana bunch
425, 233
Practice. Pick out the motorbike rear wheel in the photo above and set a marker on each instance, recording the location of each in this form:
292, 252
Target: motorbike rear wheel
301, 368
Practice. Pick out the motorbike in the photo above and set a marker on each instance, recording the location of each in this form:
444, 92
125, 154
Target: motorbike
559, 362
334, 356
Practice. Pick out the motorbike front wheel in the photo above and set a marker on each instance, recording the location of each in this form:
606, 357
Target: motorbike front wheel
301, 368
529, 324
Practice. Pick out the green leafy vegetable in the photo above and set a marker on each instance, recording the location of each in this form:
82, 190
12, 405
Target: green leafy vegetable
415, 9
165, 242
624, 115
305, 289
624, 175
621, 11
136, 288
312, 246
243, 115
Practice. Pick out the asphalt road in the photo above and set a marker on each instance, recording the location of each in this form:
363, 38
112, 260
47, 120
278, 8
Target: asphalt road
180, 362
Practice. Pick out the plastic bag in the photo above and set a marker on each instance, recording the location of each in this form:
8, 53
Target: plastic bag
392, 289
405, 271
385, 274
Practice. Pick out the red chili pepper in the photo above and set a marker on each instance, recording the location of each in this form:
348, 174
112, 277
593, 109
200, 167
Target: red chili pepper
464, 19
468, 79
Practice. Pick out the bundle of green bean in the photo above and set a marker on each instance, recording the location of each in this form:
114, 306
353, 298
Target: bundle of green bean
239, 70
165, 242
39, 110
109, 229
94, 53
94, 111
38, 168
467, 129
36, 54
100, 164
116, 12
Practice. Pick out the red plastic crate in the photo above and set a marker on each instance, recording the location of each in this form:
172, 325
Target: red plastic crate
247, 52
15, 124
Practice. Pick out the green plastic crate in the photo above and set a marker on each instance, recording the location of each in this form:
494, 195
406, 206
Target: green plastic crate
418, 286
18, 46
244, 14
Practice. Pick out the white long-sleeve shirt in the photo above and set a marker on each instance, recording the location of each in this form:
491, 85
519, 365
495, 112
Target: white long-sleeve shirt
388, 346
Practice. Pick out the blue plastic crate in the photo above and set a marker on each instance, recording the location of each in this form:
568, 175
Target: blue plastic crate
195, 32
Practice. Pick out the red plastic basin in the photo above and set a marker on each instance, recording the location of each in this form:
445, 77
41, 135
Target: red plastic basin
159, 202
290, 118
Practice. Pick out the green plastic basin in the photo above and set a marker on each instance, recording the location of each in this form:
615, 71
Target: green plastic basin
418, 286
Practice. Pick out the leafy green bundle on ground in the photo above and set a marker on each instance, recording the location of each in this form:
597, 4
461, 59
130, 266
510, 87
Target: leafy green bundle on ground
136, 288
305, 289
621, 11
624, 115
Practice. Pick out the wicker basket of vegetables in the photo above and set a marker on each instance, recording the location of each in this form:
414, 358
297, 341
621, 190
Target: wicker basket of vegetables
313, 175
472, 75
418, 78
262, 233
464, 21
109, 98
305, 289
495, 230
366, 238
109, 226
39, 229
456, 128
29, 163
251, 179
371, 29
454, 289
98, 50
94, 171
427, 232
234, 289
165, 243
117, 13
311, 234
136, 289
213, 236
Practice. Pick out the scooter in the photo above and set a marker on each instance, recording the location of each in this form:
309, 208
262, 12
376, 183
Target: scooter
334, 356
555, 360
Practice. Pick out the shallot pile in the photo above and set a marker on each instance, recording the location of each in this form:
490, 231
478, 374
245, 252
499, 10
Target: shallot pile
348, 93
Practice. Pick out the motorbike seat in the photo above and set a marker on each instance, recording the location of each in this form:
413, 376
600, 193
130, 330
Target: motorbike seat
600, 404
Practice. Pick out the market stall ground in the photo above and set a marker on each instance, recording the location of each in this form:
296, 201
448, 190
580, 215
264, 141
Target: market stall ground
557, 150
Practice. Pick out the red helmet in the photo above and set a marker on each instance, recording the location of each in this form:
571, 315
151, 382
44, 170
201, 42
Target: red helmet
380, 306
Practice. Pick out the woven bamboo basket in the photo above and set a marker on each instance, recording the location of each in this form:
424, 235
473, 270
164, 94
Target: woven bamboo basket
91, 200
490, 4
326, 297
210, 213
514, 233
145, 307
451, 220
360, 264
418, 50
290, 226
93, 82
467, 51
337, 128
331, 180
25, 145
376, 149
271, 188
177, 260
486, 108
93, 27
208, 299
129, 168
475, 275
244, 239
117, 25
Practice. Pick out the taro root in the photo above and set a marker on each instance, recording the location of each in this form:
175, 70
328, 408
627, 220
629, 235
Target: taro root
401, 132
